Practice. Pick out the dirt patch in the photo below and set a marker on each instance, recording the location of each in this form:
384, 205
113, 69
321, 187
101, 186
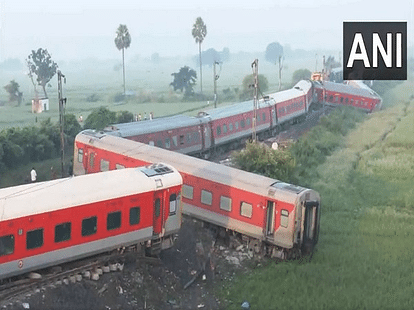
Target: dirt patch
143, 285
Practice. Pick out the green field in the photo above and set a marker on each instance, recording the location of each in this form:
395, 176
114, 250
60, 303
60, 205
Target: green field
149, 83
364, 259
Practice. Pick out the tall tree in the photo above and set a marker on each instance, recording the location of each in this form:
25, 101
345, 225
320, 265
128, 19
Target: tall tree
199, 32
40, 63
122, 41
14, 94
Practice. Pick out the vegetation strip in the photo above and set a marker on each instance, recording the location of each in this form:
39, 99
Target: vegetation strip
364, 257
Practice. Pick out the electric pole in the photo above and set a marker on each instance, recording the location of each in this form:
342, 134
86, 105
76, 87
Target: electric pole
62, 104
255, 68
216, 77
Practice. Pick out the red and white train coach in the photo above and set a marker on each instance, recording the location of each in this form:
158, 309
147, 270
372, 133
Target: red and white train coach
281, 216
222, 127
47, 223
355, 94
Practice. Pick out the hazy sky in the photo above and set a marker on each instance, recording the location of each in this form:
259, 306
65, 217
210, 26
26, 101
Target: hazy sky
86, 28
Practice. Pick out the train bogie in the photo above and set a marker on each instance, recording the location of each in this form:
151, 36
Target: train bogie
48, 223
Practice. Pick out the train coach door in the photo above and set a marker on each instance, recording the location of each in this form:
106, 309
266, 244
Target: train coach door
158, 212
311, 225
205, 137
270, 218
274, 120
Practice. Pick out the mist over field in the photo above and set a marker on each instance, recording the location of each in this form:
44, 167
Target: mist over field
80, 38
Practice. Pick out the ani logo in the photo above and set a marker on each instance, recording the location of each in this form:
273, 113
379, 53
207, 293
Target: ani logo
375, 50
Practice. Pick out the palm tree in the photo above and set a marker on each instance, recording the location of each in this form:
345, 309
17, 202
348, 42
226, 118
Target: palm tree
122, 41
199, 32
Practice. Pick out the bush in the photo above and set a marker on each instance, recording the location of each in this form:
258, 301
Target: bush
259, 158
119, 97
100, 118
124, 117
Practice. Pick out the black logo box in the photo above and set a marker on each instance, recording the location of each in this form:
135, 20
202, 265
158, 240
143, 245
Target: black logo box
358, 71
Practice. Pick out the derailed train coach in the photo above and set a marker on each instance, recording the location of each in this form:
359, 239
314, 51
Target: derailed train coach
276, 218
223, 127
48, 223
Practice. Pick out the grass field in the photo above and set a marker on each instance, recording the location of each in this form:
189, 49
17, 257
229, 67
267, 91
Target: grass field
365, 257
149, 83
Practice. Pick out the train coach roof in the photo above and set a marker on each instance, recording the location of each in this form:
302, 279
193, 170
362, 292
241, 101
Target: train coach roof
151, 126
234, 109
225, 175
41, 197
349, 89
301, 88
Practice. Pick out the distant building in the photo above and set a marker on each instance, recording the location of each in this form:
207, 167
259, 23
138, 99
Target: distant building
40, 102
39, 105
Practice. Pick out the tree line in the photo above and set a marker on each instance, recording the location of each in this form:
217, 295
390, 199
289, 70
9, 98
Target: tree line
19, 146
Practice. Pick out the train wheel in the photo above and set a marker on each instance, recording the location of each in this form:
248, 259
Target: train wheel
255, 247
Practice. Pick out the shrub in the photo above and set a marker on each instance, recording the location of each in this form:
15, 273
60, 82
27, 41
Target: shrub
259, 158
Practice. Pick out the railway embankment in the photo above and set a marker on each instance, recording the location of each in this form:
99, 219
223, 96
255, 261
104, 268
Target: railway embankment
364, 255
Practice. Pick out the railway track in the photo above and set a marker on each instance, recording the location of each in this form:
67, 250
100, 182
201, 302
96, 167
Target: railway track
90, 268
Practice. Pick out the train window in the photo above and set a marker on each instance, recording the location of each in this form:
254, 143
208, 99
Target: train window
62, 232
157, 207
342, 99
352, 101
231, 127
159, 143
6, 245
104, 165
91, 160
236, 125
89, 226
173, 204
134, 215
188, 138
225, 203
188, 191
284, 218
331, 98
242, 123
224, 128
218, 130
248, 121
346, 100
119, 166
113, 220
258, 118
264, 117
174, 140
80, 155
206, 197
181, 139
246, 209
34, 239
167, 143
